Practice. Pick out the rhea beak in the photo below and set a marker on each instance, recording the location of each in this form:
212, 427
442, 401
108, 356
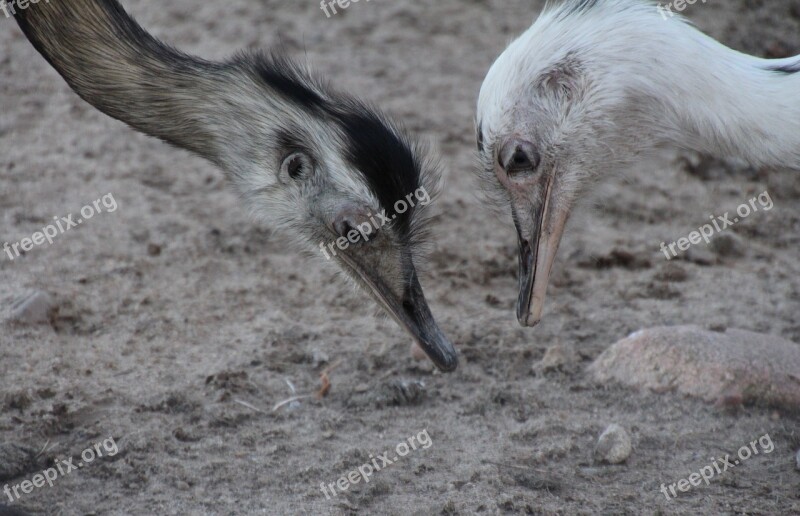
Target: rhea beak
539, 224
537, 252
410, 310
407, 306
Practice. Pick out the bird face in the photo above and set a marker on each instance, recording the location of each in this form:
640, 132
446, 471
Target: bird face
338, 211
535, 138
538, 190
351, 188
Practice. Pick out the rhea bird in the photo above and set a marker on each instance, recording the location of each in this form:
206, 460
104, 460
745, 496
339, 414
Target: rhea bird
313, 163
592, 84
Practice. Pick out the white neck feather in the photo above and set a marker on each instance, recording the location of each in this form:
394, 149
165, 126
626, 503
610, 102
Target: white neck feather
657, 80
707, 97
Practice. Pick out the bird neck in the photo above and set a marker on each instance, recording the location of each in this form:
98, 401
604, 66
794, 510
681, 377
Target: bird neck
715, 100
116, 66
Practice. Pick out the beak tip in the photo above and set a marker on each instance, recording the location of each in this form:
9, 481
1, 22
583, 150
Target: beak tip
449, 365
528, 320
442, 353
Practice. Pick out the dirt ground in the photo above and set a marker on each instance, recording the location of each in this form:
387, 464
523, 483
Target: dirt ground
181, 324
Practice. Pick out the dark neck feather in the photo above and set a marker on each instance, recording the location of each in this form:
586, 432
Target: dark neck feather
116, 66
229, 113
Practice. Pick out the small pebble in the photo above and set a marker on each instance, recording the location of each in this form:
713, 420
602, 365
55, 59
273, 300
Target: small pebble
797, 458
614, 445
672, 273
319, 358
728, 244
405, 392
701, 255
33, 308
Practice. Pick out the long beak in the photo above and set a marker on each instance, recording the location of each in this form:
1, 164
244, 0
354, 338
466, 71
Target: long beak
537, 252
411, 312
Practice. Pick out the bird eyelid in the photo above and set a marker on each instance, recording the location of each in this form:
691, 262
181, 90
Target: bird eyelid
290, 141
297, 166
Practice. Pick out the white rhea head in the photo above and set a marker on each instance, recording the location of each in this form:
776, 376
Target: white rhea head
595, 82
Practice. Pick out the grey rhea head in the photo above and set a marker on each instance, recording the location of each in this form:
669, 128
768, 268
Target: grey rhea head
334, 169
314, 163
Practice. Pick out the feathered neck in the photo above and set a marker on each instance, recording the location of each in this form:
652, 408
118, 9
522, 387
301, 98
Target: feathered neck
661, 80
710, 98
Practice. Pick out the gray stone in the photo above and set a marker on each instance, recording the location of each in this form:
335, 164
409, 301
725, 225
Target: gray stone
613, 446
729, 245
701, 255
730, 367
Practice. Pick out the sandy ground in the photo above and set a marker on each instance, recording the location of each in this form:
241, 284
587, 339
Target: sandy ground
180, 355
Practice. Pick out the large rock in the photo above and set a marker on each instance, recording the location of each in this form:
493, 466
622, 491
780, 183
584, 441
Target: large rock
729, 367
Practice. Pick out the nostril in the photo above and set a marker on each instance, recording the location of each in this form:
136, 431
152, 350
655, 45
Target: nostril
518, 156
520, 159
353, 223
343, 226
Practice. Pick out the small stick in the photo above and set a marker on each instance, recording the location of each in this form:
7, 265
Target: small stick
290, 400
43, 449
485, 461
248, 405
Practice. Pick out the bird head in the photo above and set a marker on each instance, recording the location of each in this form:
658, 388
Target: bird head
318, 165
544, 132
348, 185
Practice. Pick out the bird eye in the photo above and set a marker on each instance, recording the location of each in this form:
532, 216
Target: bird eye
296, 165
